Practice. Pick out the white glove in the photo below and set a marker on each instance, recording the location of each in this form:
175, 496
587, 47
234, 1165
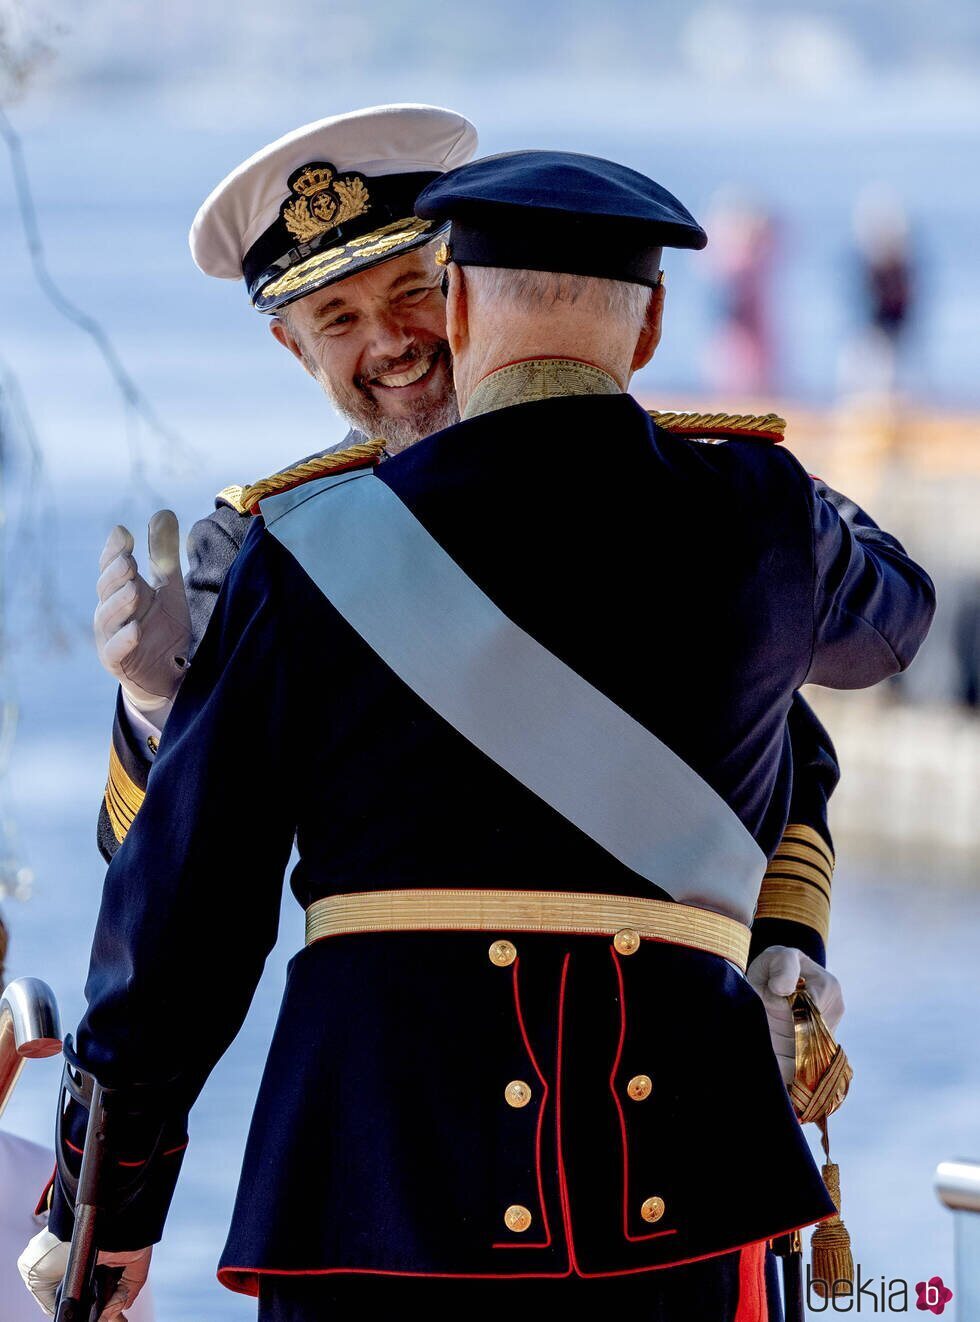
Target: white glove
43, 1264
774, 974
143, 629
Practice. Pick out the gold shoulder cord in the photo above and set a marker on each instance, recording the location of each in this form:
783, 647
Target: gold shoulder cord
365, 452
245, 499
722, 426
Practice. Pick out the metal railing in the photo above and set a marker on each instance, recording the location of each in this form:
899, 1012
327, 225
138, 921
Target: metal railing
30, 1028
957, 1184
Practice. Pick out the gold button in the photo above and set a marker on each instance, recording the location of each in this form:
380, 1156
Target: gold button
503, 953
640, 1087
517, 1093
652, 1209
517, 1218
626, 941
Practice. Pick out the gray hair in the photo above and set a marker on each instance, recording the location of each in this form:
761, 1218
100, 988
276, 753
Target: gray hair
529, 291
282, 314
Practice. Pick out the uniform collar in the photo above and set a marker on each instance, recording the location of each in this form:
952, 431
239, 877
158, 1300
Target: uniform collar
532, 379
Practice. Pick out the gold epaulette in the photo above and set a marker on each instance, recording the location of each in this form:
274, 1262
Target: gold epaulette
723, 426
232, 496
246, 499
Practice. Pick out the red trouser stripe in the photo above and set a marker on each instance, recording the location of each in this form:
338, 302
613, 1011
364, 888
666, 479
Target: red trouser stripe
752, 1303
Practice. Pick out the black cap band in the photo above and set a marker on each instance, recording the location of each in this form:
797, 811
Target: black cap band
578, 246
559, 211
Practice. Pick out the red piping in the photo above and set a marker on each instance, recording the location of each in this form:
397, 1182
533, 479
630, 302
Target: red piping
244, 1280
654, 1234
562, 1181
226, 1275
546, 1242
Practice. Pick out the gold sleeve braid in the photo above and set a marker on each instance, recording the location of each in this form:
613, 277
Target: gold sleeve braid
123, 797
797, 881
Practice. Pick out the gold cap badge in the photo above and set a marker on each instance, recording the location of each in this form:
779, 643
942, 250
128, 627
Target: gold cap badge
320, 200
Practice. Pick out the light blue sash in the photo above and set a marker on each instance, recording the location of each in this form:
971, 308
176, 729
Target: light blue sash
512, 698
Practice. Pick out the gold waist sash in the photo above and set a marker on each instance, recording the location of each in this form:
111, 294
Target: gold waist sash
425, 909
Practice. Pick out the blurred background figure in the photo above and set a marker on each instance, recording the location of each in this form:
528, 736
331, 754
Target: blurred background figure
887, 289
741, 357
966, 636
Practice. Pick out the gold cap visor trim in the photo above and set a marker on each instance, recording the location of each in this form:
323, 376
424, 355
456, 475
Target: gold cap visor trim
346, 259
585, 913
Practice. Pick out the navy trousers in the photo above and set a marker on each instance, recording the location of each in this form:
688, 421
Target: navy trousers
694, 1292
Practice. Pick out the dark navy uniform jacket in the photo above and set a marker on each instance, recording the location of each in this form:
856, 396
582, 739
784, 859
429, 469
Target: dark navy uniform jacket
794, 909
698, 587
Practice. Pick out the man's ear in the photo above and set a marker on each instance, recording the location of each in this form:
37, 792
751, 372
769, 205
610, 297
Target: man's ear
282, 333
649, 337
457, 310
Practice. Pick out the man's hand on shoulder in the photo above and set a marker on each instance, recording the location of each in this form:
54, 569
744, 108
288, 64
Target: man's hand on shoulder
774, 973
142, 625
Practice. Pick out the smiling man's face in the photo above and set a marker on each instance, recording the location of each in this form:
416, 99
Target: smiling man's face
377, 344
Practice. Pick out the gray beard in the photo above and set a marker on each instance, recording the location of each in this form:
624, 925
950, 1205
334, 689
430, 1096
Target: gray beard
397, 433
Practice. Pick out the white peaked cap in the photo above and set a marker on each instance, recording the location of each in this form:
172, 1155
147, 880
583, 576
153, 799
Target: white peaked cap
375, 142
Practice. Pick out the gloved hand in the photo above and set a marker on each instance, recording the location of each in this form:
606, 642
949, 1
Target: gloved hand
143, 628
43, 1262
774, 974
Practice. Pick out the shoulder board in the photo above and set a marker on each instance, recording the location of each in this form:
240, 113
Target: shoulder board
246, 499
231, 496
723, 426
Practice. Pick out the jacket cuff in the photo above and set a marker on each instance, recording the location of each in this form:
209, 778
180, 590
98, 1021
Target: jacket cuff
137, 1224
795, 892
129, 769
768, 932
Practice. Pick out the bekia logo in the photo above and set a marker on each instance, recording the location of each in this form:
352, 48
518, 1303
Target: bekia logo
874, 1295
933, 1295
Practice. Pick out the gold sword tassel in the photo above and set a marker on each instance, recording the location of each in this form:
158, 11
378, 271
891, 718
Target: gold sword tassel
820, 1083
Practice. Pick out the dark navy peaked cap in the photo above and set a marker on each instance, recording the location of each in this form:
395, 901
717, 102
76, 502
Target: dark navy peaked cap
559, 211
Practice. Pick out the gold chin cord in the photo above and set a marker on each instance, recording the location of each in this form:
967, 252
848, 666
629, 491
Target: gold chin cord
820, 1083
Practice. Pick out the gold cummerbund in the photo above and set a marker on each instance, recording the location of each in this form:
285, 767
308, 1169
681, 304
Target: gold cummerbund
425, 909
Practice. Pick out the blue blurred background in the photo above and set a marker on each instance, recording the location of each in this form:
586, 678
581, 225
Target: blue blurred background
830, 150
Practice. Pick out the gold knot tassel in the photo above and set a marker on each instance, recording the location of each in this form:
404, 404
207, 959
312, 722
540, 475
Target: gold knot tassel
820, 1083
832, 1269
